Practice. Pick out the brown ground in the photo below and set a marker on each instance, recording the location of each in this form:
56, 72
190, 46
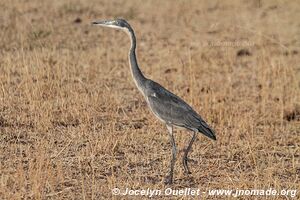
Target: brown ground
74, 126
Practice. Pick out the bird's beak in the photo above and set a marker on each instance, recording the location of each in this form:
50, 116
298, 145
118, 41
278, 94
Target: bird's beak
103, 22
98, 22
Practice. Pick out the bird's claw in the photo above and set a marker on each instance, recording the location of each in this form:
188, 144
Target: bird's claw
168, 180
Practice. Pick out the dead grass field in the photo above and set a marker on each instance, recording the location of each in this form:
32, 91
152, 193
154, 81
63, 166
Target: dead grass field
73, 125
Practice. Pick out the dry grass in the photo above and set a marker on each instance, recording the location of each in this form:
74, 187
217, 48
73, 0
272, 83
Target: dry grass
73, 125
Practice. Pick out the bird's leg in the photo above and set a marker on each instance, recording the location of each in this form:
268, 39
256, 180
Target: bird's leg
169, 178
185, 155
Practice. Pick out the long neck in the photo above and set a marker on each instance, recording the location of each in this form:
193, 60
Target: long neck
137, 75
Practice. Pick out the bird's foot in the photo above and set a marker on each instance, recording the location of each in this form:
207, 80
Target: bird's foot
187, 172
189, 160
168, 180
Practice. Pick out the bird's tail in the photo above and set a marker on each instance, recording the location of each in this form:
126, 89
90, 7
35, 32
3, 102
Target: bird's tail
206, 130
194, 121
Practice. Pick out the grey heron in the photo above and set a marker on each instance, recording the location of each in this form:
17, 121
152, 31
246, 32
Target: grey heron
166, 106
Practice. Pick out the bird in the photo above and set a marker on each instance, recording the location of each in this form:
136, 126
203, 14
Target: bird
166, 106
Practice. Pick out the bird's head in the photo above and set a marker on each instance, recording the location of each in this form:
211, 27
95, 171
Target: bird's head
116, 23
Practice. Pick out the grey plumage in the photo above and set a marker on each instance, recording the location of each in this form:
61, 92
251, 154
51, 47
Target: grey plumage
173, 110
165, 105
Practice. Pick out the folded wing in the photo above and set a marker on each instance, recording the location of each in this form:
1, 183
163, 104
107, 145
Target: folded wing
173, 110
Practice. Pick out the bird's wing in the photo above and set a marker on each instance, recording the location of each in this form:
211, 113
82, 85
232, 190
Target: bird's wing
172, 109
